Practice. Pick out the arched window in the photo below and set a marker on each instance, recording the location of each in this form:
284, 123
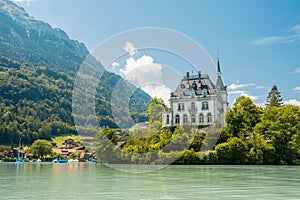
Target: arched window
193, 118
201, 118
209, 117
177, 119
168, 119
185, 119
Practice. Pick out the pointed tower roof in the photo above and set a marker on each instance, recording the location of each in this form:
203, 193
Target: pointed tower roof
219, 68
219, 84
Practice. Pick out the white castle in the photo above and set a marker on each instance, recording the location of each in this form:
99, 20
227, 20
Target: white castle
197, 101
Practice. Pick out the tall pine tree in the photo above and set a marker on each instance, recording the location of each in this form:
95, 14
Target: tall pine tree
274, 98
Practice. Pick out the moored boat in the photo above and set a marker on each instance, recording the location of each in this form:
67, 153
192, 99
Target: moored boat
62, 161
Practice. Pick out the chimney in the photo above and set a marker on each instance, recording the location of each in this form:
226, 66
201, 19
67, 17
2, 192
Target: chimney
188, 75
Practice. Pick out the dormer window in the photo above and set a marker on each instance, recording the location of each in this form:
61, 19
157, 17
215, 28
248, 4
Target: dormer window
204, 93
194, 85
182, 86
192, 95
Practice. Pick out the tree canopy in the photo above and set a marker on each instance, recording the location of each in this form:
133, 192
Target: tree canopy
274, 98
41, 148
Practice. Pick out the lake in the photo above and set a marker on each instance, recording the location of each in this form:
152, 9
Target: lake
94, 181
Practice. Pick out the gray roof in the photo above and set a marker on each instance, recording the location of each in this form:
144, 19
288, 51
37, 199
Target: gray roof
194, 84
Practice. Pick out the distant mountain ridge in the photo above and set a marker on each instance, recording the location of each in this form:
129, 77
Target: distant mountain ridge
38, 66
28, 40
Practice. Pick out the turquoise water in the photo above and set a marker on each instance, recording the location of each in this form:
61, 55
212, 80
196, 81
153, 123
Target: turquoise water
90, 181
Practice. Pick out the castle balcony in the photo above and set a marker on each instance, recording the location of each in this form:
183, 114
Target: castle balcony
192, 110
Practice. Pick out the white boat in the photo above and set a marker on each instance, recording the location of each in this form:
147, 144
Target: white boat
38, 160
19, 160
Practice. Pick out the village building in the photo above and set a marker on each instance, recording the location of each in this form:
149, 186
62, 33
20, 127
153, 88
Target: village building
197, 101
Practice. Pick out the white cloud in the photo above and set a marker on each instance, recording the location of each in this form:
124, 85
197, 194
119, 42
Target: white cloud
261, 87
129, 47
272, 40
292, 102
296, 28
158, 90
296, 71
252, 97
234, 86
297, 89
114, 65
262, 105
147, 75
244, 93
237, 92
292, 35
142, 69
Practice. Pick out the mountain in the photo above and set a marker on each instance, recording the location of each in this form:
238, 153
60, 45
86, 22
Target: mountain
28, 40
38, 66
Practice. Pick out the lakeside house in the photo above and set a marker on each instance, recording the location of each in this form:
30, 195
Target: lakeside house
197, 101
69, 147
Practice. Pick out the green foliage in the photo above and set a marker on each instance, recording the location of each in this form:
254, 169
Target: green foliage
59, 140
274, 98
110, 134
38, 65
155, 110
261, 150
281, 126
251, 136
36, 102
241, 118
231, 152
41, 148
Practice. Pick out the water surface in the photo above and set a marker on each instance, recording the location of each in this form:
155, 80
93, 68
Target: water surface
90, 181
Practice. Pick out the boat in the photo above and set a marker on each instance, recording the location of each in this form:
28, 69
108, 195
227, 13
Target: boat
62, 161
55, 160
19, 160
38, 160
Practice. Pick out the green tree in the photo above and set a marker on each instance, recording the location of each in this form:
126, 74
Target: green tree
41, 148
155, 110
281, 126
261, 150
274, 98
231, 152
241, 118
110, 134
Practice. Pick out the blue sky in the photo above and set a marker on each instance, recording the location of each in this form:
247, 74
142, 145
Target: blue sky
258, 40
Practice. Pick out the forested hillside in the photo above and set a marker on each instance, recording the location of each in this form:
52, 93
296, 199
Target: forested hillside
38, 66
